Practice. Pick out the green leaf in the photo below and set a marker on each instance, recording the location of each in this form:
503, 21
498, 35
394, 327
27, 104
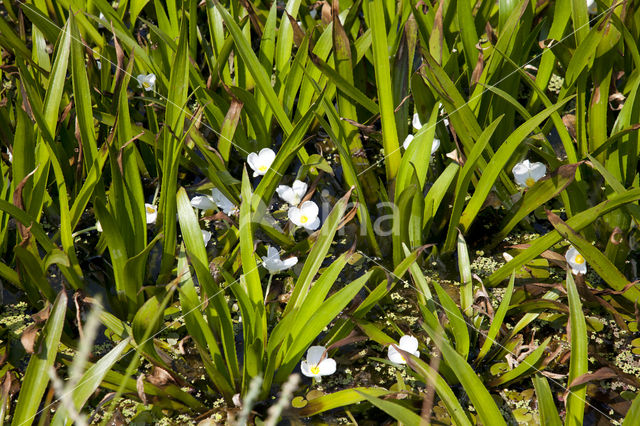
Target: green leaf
603, 266
498, 319
462, 183
577, 223
339, 399
546, 402
499, 161
317, 254
398, 412
385, 93
478, 394
456, 320
578, 364
89, 382
541, 192
527, 364
36, 377
172, 146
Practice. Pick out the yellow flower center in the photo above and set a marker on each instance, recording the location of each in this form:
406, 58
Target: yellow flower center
150, 210
315, 369
530, 181
262, 168
579, 259
304, 219
146, 84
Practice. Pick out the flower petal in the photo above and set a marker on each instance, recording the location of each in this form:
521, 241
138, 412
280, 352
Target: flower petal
304, 368
327, 366
394, 356
287, 194
152, 213
537, 171
435, 145
252, 161
221, 201
407, 142
309, 209
288, 263
579, 269
206, 236
408, 343
571, 254
202, 202
314, 354
299, 187
273, 253
314, 225
294, 215
267, 156
416, 122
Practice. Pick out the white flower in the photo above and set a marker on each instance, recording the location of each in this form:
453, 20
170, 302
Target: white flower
261, 161
507, 257
98, 226
209, 202
317, 364
152, 213
206, 236
305, 216
273, 263
576, 261
434, 146
292, 194
417, 125
313, 13
526, 173
408, 344
102, 18
9, 155
98, 64
147, 81
236, 400
592, 7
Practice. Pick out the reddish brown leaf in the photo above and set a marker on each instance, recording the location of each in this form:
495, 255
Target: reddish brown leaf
600, 374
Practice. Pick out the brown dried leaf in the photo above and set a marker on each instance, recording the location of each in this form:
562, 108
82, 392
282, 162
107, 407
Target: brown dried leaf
17, 201
160, 377
29, 336
616, 236
140, 389
569, 121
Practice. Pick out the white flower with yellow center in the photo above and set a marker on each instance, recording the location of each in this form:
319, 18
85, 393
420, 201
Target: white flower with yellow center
576, 261
147, 81
305, 216
408, 344
274, 264
592, 7
292, 194
317, 364
260, 162
216, 199
526, 174
152, 213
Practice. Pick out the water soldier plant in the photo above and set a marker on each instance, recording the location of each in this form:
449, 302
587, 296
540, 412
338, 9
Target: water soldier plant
335, 212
